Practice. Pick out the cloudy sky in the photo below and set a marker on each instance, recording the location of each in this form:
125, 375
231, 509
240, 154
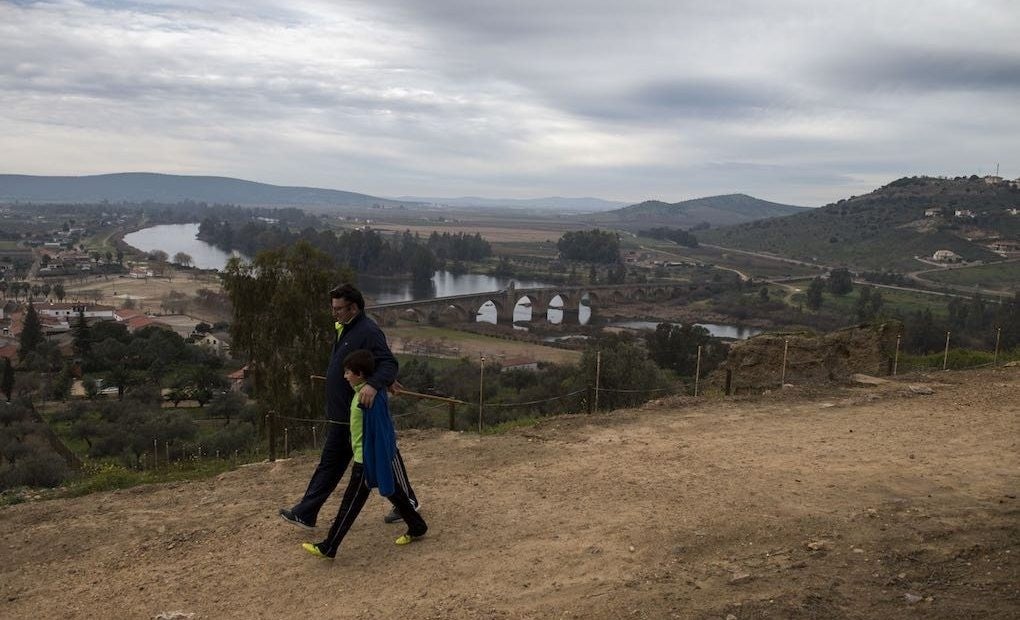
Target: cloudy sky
797, 101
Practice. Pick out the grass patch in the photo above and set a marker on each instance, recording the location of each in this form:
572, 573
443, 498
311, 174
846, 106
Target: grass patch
958, 359
105, 476
1003, 276
894, 301
502, 427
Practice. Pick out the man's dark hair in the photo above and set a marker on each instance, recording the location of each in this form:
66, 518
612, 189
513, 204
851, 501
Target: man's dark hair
348, 293
360, 362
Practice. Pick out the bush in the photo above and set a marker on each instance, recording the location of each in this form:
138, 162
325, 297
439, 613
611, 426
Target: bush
39, 468
105, 477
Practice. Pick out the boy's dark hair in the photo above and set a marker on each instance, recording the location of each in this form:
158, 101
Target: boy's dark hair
350, 294
360, 362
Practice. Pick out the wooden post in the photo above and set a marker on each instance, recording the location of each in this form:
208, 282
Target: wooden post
945, 356
155, 454
481, 384
896, 360
286, 442
453, 412
729, 381
598, 374
271, 422
589, 403
697, 372
998, 336
782, 377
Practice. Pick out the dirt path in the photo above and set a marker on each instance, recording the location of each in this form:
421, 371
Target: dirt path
874, 502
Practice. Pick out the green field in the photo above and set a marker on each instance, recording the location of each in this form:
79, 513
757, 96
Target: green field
1002, 276
894, 301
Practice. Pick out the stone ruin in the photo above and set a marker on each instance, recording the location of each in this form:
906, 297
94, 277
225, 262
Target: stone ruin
757, 363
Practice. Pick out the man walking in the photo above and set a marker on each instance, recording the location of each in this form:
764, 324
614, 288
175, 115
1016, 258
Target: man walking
354, 331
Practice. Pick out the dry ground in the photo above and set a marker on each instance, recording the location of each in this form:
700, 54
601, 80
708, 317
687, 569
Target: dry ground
148, 293
870, 502
451, 343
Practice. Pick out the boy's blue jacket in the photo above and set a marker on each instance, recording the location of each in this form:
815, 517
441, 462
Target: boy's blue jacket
379, 446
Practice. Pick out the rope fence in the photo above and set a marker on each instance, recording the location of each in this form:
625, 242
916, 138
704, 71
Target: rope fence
415, 409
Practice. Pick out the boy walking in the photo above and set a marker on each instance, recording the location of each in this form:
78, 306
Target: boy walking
376, 464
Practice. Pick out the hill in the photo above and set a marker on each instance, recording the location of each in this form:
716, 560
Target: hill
869, 502
713, 210
170, 188
557, 203
888, 227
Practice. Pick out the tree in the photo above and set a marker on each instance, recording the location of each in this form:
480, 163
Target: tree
625, 372
281, 321
590, 245
7, 382
675, 347
876, 303
862, 307
814, 294
58, 291
82, 337
227, 405
183, 259
841, 281
31, 333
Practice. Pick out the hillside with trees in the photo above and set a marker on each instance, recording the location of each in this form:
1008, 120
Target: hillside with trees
887, 228
698, 213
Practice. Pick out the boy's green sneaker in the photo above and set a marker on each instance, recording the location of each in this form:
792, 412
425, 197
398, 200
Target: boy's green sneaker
407, 539
314, 550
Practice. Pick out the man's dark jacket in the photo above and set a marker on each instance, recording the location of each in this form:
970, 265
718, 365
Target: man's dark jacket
360, 333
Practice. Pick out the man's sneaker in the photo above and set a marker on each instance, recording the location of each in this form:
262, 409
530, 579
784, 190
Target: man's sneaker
394, 516
314, 550
288, 515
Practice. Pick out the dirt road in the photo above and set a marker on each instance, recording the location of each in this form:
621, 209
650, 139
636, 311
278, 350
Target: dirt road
871, 502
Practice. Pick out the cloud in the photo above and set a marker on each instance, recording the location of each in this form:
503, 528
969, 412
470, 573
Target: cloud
802, 102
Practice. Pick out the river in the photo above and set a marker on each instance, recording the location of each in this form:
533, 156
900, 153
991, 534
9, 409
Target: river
174, 238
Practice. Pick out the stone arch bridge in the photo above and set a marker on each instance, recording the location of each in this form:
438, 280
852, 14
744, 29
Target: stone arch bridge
466, 308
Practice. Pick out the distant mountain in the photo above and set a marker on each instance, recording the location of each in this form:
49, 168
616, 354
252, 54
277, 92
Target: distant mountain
713, 210
888, 227
171, 188
552, 202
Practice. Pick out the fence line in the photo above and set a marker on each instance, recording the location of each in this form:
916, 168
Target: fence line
941, 360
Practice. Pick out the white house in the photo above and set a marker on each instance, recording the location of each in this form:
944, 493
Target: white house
963, 213
70, 310
217, 342
946, 256
518, 363
932, 212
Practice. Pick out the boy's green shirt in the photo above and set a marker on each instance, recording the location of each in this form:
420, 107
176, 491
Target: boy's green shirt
357, 426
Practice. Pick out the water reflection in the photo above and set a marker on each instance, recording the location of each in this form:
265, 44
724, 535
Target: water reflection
442, 284
736, 332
